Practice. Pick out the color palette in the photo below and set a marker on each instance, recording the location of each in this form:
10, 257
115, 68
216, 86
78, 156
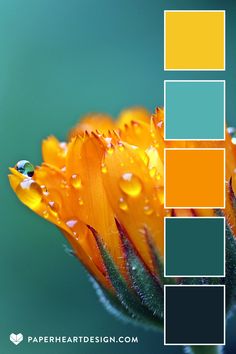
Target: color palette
194, 109
194, 315
194, 178
194, 40
194, 247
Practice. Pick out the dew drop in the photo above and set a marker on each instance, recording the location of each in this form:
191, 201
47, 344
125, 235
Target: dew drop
45, 214
167, 212
76, 181
152, 172
30, 193
44, 190
71, 223
110, 149
121, 146
232, 133
64, 184
63, 150
54, 208
25, 168
160, 194
122, 204
104, 168
80, 200
148, 210
130, 184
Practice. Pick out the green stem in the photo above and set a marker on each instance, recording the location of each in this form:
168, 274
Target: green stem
205, 349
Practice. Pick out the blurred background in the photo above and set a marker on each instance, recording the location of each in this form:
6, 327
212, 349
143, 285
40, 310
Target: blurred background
59, 60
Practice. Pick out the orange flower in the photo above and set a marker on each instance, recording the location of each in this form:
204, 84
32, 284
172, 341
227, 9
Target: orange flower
104, 190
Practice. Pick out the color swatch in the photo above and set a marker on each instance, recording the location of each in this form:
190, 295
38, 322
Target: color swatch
195, 247
194, 178
194, 40
194, 315
194, 109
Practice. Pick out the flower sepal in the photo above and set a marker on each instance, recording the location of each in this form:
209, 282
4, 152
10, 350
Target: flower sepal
139, 296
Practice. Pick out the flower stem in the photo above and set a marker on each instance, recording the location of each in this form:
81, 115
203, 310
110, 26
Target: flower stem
205, 349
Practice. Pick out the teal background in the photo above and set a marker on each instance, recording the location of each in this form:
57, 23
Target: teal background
194, 110
194, 246
59, 60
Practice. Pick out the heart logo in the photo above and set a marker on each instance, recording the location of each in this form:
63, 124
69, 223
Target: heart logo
16, 338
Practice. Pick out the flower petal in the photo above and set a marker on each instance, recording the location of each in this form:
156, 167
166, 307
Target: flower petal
135, 114
54, 152
133, 196
84, 162
44, 196
93, 122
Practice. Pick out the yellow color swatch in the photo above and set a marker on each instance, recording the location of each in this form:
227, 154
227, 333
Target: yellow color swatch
194, 40
194, 178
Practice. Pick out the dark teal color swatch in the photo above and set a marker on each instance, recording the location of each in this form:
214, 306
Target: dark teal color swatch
194, 110
194, 246
194, 314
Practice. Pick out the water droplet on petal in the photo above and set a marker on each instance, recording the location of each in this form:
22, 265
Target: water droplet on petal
122, 204
232, 133
110, 149
63, 150
152, 172
130, 184
120, 146
148, 210
54, 207
25, 168
30, 193
44, 190
64, 184
76, 181
104, 168
80, 200
45, 214
160, 194
71, 223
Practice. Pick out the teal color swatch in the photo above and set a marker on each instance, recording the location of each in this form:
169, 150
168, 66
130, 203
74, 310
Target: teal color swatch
194, 246
194, 110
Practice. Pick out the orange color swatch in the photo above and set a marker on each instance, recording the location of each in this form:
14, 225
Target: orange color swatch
194, 178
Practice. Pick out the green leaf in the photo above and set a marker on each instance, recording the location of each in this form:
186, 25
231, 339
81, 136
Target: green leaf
143, 281
125, 294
